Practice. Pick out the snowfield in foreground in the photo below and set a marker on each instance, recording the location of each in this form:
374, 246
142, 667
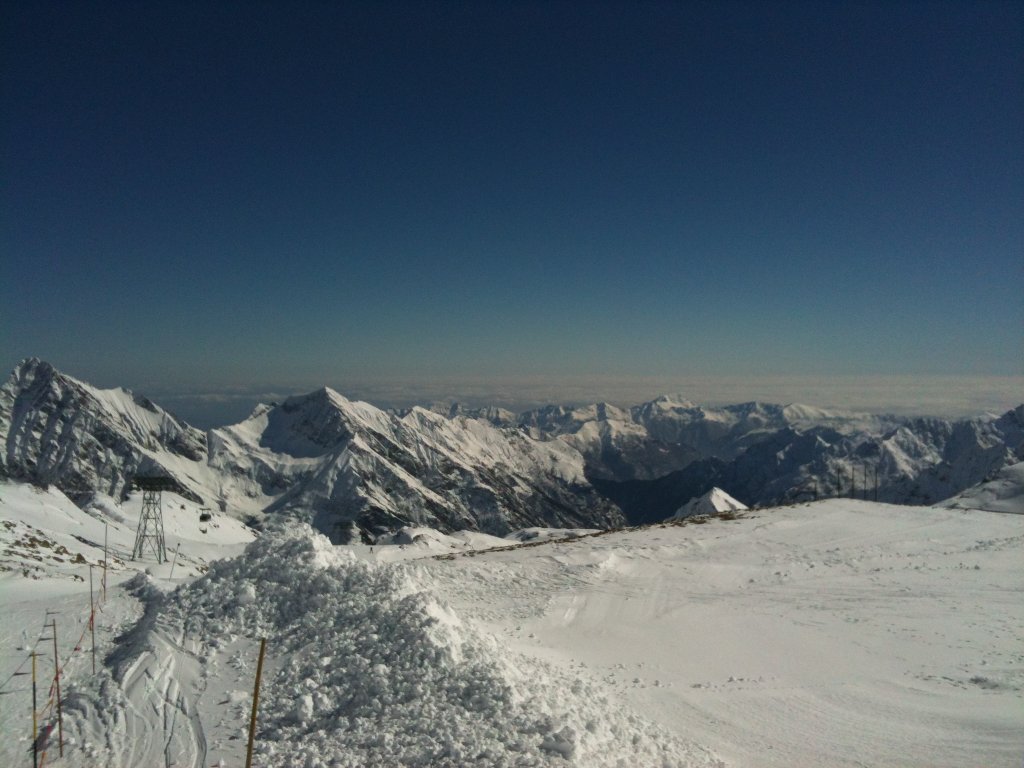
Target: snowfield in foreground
368, 668
839, 633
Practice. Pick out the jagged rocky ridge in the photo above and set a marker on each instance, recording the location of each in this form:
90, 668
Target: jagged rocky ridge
58, 430
347, 467
652, 439
353, 469
767, 454
358, 464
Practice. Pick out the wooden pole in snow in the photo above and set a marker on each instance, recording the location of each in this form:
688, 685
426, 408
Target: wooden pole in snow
56, 678
255, 703
92, 621
35, 723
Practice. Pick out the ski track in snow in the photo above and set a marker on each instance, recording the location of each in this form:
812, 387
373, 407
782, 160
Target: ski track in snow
154, 731
842, 633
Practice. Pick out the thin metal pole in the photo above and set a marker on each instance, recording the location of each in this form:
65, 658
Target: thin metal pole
92, 621
175, 561
255, 703
56, 677
35, 722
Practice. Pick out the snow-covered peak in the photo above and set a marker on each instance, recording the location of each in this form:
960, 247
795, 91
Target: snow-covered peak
57, 429
713, 502
674, 401
29, 368
1003, 493
307, 425
600, 412
336, 461
499, 417
799, 412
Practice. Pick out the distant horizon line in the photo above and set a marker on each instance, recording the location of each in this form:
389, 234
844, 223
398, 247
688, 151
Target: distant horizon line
940, 395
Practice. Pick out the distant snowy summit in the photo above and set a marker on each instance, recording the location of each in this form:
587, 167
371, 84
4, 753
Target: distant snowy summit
713, 502
1003, 493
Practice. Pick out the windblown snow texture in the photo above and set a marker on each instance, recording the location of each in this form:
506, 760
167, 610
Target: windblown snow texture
366, 668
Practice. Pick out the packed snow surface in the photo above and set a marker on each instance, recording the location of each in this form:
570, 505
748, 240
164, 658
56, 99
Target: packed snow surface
839, 633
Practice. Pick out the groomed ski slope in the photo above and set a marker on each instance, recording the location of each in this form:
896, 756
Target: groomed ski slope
839, 633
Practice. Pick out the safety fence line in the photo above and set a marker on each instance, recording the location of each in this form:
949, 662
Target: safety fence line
40, 746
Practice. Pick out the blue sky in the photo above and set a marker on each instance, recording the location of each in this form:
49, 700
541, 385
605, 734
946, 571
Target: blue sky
221, 197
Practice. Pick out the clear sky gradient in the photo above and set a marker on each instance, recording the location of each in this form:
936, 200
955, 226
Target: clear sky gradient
227, 197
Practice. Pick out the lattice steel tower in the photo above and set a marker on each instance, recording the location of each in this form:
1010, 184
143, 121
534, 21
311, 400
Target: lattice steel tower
150, 534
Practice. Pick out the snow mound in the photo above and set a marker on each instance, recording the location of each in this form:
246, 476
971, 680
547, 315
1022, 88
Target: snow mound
367, 669
713, 502
1004, 493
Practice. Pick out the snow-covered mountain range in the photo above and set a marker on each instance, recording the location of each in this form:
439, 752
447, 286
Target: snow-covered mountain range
353, 469
654, 457
345, 466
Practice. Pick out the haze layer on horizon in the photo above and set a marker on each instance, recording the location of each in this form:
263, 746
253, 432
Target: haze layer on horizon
943, 396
